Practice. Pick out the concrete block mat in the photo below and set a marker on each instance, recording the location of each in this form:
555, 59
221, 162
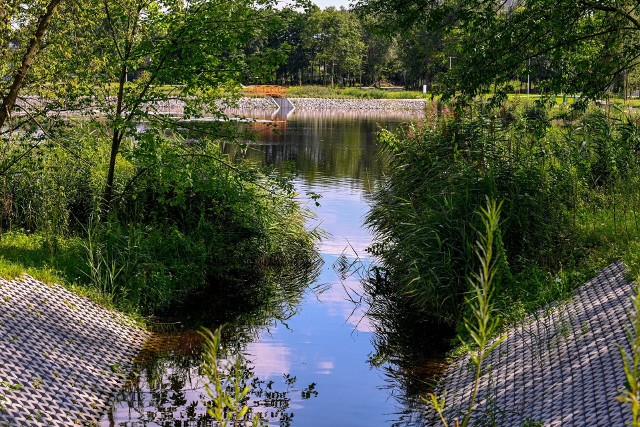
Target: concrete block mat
61, 356
561, 366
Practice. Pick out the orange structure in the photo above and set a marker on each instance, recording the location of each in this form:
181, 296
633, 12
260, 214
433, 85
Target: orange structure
273, 91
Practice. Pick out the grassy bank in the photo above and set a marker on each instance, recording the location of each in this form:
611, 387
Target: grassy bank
350, 93
569, 183
185, 221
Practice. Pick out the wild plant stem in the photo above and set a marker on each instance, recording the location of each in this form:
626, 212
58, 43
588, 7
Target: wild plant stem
631, 363
481, 306
482, 325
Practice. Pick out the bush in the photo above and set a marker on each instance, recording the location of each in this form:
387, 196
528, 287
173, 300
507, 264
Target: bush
184, 219
548, 175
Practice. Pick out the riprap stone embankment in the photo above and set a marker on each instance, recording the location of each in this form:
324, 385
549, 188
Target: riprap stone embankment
559, 367
328, 104
358, 104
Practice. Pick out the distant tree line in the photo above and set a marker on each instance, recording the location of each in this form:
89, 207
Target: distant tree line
346, 48
326, 47
360, 47
475, 46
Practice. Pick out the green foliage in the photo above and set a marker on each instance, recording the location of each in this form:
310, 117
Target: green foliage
184, 218
336, 37
483, 323
228, 388
569, 204
566, 46
159, 212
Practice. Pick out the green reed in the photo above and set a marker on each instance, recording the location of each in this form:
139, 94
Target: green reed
569, 186
482, 325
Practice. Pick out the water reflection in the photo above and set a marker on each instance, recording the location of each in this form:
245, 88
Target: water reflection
408, 349
169, 388
339, 148
341, 341
329, 341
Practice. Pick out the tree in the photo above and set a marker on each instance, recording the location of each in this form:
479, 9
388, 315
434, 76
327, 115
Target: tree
423, 54
198, 47
23, 42
381, 54
586, 43
335, 36
116, 58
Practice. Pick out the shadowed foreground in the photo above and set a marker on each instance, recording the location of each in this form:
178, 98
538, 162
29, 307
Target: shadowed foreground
561, 366
61, 356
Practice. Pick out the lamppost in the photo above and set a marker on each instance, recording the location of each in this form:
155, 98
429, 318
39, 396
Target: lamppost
528, 77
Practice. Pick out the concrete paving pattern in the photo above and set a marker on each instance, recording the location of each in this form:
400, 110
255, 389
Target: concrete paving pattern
560, 367
61, 356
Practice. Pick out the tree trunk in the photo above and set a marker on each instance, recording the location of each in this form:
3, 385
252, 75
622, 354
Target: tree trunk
9, 101
333, 70
115, 145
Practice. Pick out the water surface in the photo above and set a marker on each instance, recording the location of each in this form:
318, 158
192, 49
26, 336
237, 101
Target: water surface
316, 351
329, 341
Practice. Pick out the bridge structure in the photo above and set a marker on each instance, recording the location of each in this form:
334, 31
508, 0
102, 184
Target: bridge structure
278, 94
270, 91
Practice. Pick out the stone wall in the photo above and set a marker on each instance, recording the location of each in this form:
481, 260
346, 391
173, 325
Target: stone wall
176, 106
358, 104
336, 104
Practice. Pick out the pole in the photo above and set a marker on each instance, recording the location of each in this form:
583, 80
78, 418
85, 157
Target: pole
528, 77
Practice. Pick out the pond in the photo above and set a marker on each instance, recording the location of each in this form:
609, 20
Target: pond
317, 351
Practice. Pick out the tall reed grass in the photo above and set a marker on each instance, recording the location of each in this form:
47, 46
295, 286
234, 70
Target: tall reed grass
482, 324
569, 186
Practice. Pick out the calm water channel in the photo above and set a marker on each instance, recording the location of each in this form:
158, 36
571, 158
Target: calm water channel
311, 357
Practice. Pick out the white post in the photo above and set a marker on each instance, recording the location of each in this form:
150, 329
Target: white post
528, 77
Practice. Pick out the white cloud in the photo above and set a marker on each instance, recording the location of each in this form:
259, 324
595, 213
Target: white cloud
269, 359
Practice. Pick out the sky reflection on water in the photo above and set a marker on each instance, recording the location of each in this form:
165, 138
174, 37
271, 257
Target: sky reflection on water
329, 341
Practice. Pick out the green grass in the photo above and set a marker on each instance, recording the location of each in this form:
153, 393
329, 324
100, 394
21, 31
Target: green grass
629, 102
31, 254
615, 100
599, 240
558, 99
22, 253
351, 93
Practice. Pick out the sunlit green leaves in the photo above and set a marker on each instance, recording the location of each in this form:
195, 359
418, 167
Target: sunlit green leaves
584, 45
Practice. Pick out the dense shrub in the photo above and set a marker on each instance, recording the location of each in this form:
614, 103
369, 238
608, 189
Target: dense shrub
184, 219
548, 173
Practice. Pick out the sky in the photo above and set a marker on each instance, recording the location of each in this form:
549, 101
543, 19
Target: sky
336, 3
